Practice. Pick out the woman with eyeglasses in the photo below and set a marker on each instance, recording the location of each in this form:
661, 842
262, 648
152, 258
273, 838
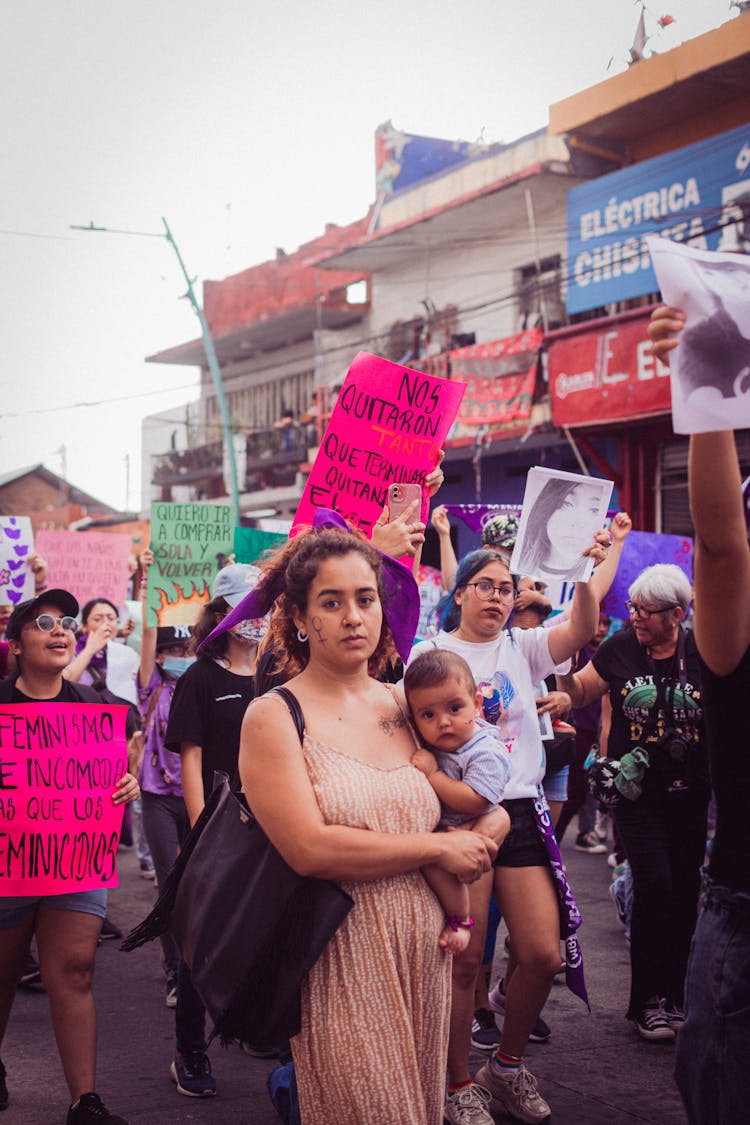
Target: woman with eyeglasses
507, 664
41, 635
652, 676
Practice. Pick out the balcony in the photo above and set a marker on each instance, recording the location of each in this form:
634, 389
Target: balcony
270, 459
188, 466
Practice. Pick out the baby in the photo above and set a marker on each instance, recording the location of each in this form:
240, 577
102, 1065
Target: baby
466, 763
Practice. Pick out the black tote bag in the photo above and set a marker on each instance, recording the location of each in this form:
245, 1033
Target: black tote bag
248, 926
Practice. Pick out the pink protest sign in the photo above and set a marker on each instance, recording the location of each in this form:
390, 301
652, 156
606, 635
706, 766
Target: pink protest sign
59, 829
91, 564
388, 424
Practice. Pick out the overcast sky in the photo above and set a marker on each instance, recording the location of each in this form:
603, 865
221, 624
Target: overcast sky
249, 126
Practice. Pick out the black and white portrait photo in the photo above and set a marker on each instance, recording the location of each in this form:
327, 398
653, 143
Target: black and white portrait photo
710, 369
561, 513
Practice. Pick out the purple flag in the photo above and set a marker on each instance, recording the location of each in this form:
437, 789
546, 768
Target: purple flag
570, 915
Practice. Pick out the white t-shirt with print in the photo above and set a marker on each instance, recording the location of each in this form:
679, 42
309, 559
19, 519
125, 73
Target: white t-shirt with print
506, 671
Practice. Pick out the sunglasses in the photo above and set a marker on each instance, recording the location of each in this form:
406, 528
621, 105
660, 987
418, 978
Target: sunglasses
46, 622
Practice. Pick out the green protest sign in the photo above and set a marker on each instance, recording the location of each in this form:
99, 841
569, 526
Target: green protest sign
250, 543
190, 543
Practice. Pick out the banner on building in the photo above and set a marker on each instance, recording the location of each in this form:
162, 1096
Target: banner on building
499, 377
91, 564
699, 194
388, 425
59, 764
606, 372
190, 543
16, 548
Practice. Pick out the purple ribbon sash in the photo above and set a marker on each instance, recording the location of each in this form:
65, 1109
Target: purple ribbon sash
570, 915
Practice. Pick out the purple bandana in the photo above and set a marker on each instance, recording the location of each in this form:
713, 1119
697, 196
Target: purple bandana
401, 606
570, 915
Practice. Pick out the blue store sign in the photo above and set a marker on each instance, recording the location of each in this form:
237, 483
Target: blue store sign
699, 194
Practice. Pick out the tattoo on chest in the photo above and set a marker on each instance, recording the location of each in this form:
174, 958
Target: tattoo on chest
389, 726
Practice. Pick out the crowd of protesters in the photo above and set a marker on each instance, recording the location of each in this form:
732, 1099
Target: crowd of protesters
430, 801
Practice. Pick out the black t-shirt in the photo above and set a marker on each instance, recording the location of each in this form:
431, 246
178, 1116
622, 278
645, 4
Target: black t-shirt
639, 719
208, 707
66, 694
725, 702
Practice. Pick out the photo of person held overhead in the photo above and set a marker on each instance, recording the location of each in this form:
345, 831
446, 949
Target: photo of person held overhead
710, 368
561, 512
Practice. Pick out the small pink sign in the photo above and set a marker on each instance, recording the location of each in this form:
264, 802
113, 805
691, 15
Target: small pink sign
388, 425
59, 829
91, 564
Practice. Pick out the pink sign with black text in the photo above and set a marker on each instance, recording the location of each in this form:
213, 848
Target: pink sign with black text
388, 425
59, 828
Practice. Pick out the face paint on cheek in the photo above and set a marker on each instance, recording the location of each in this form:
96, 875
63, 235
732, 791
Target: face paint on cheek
317, 624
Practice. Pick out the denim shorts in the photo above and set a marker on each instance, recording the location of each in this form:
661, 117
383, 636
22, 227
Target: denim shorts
523, 846
17, 910
555, 784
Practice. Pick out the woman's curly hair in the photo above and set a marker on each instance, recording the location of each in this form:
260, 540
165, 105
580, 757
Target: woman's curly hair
294, 566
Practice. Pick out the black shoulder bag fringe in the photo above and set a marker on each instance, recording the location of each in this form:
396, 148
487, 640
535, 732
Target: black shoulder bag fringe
248, 926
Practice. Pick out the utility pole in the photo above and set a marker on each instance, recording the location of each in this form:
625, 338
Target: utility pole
208, 346
213, 364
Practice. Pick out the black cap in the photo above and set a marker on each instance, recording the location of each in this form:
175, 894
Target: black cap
24, 612
168, 635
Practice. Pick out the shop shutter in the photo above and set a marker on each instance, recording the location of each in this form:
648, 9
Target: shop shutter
673, 465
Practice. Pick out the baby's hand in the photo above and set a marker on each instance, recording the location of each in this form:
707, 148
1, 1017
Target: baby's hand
424, 761
454, 941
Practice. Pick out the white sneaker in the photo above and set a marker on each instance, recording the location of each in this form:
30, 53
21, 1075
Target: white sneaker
516, 1090
468, 1106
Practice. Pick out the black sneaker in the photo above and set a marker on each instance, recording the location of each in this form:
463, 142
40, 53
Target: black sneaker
171, 997
192, 1075
110, 931
31, 977
540, 1032
89, 1110
653, 1023
590, 842
484, 1033
3, 1088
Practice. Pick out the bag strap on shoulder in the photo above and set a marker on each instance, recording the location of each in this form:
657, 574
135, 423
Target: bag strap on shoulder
294, 708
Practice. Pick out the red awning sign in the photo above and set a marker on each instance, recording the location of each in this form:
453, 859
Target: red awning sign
606, 373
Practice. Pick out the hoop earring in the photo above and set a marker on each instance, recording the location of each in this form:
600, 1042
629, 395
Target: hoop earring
301, 635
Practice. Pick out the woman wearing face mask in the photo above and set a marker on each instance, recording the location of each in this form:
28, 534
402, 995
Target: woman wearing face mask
163, 660
207, 710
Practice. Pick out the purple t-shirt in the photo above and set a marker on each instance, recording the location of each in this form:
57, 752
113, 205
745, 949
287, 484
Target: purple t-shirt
160, 770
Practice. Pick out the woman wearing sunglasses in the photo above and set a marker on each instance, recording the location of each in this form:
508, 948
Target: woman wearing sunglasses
652, 675
41, 636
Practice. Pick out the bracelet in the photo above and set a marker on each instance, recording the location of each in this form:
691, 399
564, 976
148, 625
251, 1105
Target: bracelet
456, 924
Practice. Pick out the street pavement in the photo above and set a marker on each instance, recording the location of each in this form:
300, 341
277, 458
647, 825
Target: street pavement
594, 1070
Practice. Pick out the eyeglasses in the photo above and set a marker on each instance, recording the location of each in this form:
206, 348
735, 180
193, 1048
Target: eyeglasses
642, 614
485, 590
46, 622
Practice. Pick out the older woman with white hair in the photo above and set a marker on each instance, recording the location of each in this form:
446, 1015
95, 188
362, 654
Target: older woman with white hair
658, 771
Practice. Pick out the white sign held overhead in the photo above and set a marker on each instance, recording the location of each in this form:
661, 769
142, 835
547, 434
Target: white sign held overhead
710, 368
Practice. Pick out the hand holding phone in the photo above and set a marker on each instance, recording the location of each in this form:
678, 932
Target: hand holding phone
401, 497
